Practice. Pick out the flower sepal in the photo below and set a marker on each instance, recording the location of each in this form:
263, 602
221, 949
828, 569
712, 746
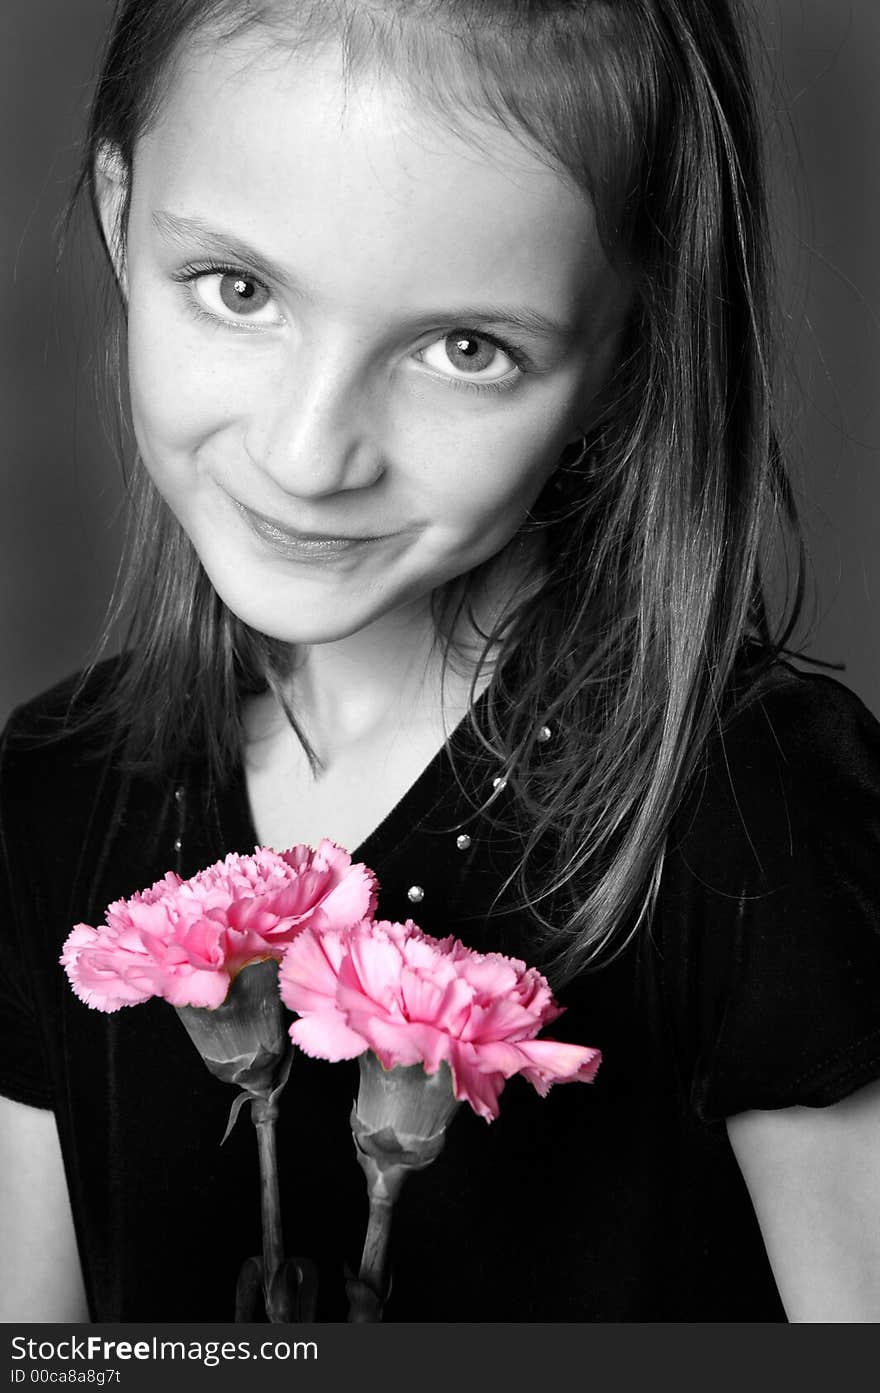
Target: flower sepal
387, 1156
406, 1099
399, 1120
243, 1040
264, 1106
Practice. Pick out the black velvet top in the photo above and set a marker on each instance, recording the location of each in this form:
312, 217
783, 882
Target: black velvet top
757, 985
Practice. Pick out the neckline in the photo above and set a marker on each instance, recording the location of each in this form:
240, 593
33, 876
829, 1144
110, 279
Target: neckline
403, 819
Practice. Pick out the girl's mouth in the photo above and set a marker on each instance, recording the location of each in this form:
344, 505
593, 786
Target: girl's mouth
295, 545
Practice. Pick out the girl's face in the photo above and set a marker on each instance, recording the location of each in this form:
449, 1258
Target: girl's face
358, 342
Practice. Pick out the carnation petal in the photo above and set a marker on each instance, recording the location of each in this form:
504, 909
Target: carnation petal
490, 974
195, 988
105, 994
103, 977
502, 1019
353, 899
372, 967
403, 1042
555, 1061
475, 1086
308, 976
542, 1062
184, 940
445, 1004
325, 1035
149, 919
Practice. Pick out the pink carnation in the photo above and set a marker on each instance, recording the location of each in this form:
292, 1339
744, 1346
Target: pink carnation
414, 999
185, 940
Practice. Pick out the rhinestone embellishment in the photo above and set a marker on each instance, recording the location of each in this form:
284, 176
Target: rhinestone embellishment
177, 843
463, 841
499, 782
415, 894
544, 734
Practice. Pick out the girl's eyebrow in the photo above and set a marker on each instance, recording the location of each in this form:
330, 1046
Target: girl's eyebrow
231, 249
221, 245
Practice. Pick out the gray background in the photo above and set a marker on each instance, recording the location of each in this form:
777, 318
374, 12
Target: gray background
60, 487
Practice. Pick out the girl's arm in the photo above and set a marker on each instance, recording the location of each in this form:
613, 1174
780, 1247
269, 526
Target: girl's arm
40, 1274
814, 1178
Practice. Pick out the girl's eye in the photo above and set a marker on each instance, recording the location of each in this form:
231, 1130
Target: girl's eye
232, 295
464, 355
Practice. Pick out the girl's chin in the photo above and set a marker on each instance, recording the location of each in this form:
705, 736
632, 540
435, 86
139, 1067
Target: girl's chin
314, 632
306, 622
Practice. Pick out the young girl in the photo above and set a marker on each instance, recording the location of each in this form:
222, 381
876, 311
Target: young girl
450, 369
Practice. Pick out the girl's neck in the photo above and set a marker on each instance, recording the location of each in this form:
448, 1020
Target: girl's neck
347, 692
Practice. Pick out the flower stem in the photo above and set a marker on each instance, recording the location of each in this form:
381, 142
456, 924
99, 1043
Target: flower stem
369, 1292
264, 1113
374, 1256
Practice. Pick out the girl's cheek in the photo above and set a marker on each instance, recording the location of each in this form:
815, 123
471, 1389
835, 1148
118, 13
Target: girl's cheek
506, 467
179, 395
479, 451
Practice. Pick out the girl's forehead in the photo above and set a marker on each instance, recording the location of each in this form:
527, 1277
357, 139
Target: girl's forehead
273, 145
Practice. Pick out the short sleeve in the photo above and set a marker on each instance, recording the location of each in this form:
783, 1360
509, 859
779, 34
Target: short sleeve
22, 1070
770, 920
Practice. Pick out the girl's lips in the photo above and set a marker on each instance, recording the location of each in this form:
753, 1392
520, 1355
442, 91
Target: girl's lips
300, 545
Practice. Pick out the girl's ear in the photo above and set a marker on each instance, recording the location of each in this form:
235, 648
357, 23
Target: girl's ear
111, 197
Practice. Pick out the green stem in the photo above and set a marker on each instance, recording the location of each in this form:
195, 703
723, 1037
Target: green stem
374, 1257
264, 1114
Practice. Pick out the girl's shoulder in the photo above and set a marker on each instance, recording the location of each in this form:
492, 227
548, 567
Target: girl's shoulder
74, 694
79, 824
805, 705
60, 740
768, 922
67, 709
795, 758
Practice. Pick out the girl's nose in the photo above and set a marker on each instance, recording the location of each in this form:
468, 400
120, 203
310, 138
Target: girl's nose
314, 434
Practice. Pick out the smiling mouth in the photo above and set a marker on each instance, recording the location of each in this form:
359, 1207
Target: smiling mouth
297, 545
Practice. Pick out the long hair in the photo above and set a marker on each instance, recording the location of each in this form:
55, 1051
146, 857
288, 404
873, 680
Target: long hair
651, 578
